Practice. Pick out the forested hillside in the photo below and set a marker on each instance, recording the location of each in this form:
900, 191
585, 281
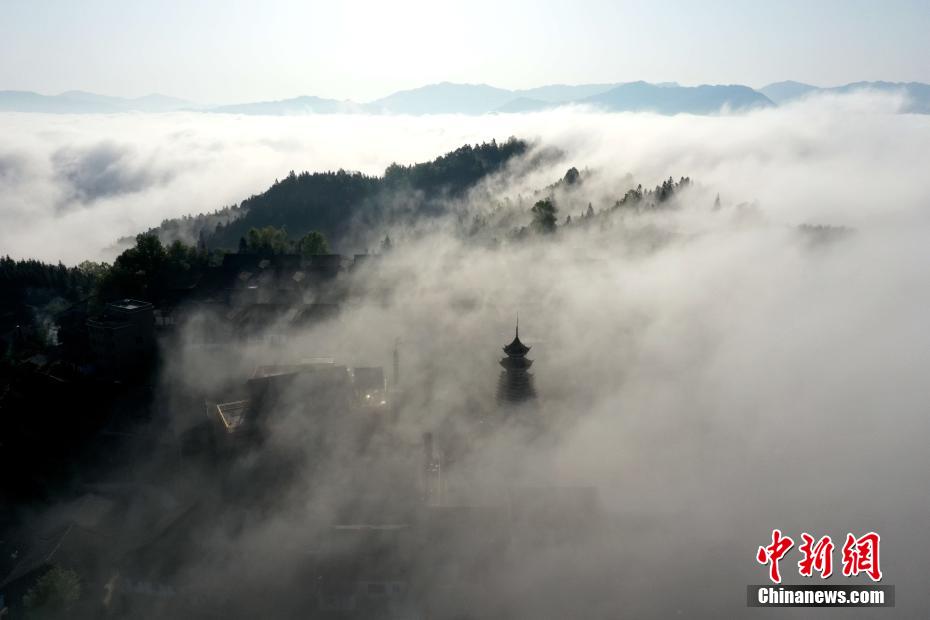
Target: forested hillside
340, 203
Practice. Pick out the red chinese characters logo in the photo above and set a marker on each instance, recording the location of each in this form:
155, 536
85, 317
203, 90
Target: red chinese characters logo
860, 555
772, 554
817, 557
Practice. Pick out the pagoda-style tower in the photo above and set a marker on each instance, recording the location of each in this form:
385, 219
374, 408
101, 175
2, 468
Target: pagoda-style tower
516, 383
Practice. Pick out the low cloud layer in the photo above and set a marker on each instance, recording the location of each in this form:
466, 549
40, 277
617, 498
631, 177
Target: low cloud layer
714, 373
104, 170
70, 186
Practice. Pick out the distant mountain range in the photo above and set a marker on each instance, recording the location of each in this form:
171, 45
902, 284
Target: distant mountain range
449, 98
703, 99
918, 94
79, 102
297, 105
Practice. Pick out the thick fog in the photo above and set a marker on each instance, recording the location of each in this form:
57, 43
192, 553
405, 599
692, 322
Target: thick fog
71, 185
713, 372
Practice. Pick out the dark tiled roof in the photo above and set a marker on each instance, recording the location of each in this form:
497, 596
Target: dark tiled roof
516, 347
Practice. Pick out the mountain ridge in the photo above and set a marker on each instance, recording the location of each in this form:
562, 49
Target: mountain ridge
476, 99
83, 102
702, 99
917, 93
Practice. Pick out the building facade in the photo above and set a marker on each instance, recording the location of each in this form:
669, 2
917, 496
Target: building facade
123, 337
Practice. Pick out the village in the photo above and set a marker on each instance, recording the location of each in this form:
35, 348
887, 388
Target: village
402, 537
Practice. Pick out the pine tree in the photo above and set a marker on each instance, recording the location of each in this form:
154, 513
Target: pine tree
544, 216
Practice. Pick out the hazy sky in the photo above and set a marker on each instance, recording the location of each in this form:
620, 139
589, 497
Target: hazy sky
235, 50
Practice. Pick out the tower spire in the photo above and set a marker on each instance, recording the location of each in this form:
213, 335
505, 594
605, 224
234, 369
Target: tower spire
515, 383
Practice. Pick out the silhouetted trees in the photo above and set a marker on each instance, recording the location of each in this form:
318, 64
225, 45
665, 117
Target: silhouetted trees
650, 199
572, 176
332, 203
149, 270
53, 595
69, 282
312, 243
28, 285
267, 240
544, 214
386, 244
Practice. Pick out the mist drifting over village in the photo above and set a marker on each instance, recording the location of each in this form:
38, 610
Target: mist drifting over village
713, 370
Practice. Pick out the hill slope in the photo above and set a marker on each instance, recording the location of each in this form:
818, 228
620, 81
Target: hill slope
780, 92
79, 102
444, 98
296, 105
350, 208
563, 93
916, 93
666, 98
704, 99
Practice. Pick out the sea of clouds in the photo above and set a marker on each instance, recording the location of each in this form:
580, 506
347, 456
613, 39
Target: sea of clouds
723, 378
71, 185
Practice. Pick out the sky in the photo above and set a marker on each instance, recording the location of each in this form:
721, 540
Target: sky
227, 51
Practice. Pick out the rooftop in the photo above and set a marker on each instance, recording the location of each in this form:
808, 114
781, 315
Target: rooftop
232, 415
516, 348
129, 305
275, 370
109, 321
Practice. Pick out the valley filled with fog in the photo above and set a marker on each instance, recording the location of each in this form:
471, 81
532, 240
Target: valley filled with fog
751, 356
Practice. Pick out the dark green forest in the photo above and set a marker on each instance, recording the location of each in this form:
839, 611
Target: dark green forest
336, 204
27, 286
305, 214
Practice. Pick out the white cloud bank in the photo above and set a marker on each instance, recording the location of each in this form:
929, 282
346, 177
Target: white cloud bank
732, 381
71, 185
